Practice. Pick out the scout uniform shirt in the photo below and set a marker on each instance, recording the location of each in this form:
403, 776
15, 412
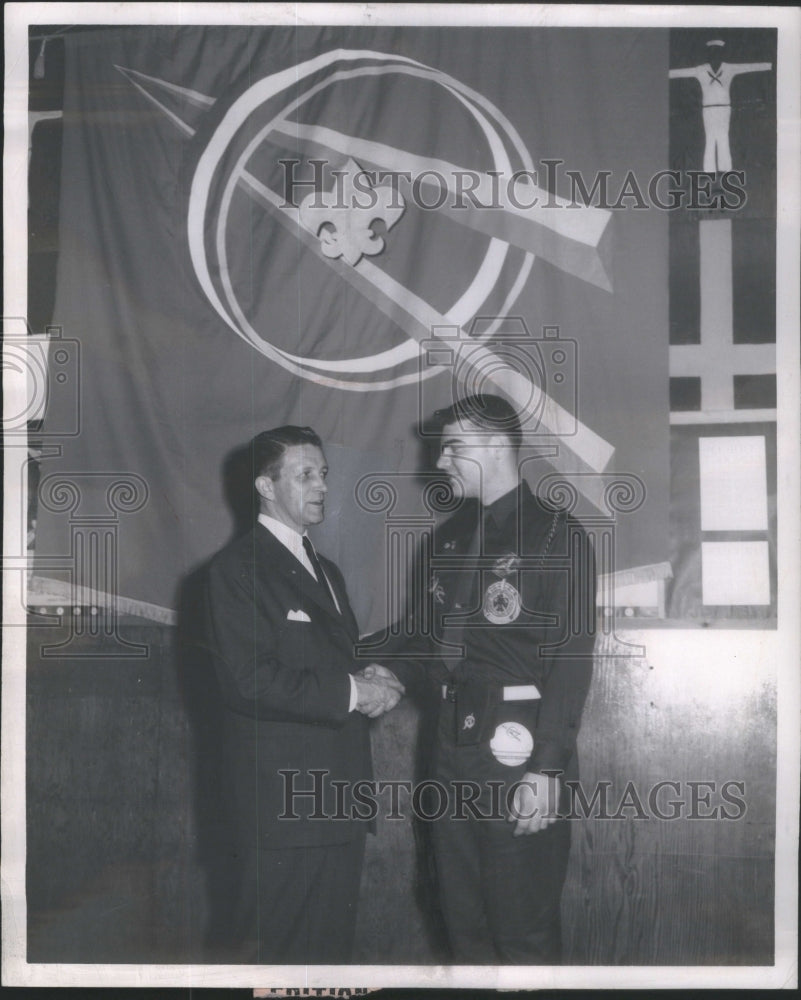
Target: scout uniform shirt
513, 585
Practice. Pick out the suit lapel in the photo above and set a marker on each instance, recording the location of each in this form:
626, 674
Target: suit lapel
276, 558
337, 583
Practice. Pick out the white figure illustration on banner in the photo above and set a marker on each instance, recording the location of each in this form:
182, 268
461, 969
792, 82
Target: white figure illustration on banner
714, 78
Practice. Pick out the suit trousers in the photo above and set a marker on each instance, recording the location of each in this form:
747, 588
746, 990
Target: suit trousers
294, 906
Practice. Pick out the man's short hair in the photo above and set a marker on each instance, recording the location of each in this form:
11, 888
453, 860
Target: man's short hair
491, 413
267, 449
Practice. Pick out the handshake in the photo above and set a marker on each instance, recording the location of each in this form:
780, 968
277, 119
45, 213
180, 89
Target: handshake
378, 690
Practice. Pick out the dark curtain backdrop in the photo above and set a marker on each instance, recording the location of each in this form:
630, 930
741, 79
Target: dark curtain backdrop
169, 391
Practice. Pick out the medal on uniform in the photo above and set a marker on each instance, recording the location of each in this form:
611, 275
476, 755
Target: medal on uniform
502, 603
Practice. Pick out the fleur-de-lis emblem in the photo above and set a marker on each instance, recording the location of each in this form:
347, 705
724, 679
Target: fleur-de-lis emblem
342, 219
436, 588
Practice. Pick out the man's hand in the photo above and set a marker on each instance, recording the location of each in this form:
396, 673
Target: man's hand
535, 804
378, 690
377, 670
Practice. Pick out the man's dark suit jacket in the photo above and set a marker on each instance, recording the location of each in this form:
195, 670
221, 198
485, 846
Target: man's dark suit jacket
282, 654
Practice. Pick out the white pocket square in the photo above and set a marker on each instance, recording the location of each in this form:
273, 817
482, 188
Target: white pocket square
297, 616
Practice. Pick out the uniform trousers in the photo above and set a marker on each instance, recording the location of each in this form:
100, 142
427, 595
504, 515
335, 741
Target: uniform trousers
717, 151
500, 894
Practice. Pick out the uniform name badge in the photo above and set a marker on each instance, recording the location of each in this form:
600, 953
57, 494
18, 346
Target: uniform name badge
502, 603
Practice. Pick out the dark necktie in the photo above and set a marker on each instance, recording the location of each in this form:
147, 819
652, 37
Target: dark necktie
322, 579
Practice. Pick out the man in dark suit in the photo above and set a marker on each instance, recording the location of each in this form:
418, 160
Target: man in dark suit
295, 707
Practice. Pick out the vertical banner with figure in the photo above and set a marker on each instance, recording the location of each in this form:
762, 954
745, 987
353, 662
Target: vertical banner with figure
723, 327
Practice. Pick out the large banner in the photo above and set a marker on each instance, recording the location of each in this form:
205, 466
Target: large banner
346, 227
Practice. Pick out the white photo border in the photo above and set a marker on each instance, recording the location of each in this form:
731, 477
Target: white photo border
783, 645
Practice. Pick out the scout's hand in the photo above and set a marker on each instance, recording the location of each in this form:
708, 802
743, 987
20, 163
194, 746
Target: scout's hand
535, 803
378, 690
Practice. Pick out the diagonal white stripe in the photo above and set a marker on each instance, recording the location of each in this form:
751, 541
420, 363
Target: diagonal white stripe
181, 124
193, 96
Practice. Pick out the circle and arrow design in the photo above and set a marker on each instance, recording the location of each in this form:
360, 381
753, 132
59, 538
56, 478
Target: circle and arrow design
272, 110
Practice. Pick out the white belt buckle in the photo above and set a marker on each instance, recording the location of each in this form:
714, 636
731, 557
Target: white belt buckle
521, 692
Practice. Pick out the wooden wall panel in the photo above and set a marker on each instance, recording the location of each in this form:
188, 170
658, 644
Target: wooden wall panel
121, 751
690, 890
